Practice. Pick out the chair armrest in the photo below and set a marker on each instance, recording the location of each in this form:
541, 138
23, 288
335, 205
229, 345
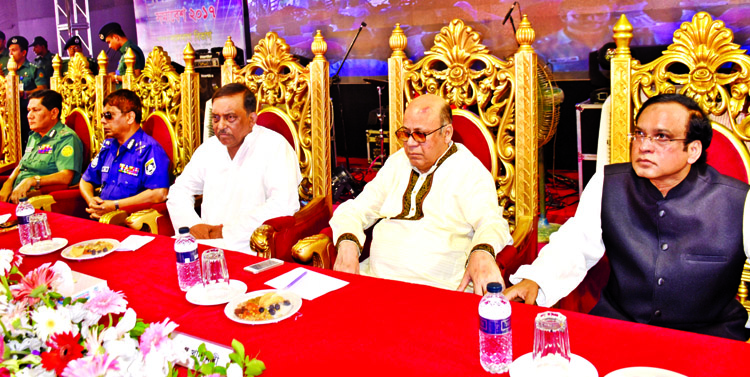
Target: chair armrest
146, 217
275, 238
316, 250
116, 217
43, 202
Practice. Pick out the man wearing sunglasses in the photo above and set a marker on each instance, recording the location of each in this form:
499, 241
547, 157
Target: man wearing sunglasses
131, 168
672, 226
54, 154
436, 209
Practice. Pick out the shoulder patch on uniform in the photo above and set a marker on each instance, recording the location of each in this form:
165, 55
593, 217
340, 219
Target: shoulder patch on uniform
150, 166
67, 151
95, 161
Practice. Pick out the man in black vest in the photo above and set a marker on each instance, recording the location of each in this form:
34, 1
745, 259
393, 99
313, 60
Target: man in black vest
672, 227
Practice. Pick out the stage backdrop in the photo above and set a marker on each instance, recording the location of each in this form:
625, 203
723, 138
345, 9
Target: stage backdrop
566, 30
172, 23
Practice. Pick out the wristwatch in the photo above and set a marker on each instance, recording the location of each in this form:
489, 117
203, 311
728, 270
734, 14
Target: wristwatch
38, 180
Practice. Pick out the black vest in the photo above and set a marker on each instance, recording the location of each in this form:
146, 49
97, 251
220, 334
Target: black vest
675, 261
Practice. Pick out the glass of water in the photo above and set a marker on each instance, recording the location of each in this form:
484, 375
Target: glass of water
551, 344
39, 227
214, 268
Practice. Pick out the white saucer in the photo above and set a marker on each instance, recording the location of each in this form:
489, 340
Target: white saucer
644, 372
579, 367
43, 247
215, 294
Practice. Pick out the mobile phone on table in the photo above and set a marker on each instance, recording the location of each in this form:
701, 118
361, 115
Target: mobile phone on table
264, 265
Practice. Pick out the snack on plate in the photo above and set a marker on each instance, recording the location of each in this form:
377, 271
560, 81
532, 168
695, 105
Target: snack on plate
261, 308
91, 248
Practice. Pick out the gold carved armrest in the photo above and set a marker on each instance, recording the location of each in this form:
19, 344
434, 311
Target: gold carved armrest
314, 250
261, 241
145, 217
524, 229
43, 202
116, 217
742, 293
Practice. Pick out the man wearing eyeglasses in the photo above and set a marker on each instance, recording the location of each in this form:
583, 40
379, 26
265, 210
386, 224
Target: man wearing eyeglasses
54, 154
672, 226
435, 207
131, 168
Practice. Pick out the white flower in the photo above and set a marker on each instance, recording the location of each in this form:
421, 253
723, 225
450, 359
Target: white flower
79, 314
234, 370
6, 256
49, 321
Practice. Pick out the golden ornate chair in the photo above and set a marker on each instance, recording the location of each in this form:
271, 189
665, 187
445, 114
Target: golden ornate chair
292, 100
10, 121
700, 48
171, 116
82, 94
494, 116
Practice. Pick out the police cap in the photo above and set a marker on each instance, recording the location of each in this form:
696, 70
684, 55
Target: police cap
73, 41
22, 42
39, 41
109, 29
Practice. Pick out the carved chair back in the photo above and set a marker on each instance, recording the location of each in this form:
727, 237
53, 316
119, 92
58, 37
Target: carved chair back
10, 120
494, 109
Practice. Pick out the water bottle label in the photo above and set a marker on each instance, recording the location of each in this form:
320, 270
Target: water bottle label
187, 256
494, 326
23, 220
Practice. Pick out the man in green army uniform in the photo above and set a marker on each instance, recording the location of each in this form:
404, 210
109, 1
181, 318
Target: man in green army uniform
54, 155
31, 79
4, 56
43, 59
115, 38
73, 46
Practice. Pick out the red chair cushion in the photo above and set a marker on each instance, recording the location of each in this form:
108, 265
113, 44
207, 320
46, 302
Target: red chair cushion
467, 133
274, 122
77, 122
156, 127
724, 157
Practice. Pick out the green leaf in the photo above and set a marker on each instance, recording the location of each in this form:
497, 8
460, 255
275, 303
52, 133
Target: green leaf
238, 347
38, 291
235, 358
207, 368
254, 367
138, 329
220, 370
66, 301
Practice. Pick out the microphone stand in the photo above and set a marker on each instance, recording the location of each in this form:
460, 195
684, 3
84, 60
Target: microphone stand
336, 79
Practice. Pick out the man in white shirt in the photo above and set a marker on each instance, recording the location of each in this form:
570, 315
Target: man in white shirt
246, 173
436, 209
675, 231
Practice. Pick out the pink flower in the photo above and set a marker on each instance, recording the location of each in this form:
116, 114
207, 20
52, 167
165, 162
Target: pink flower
155, 335
95, 366
40, 276
106, 301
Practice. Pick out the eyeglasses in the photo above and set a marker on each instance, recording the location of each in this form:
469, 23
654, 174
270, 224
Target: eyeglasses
403, 134
660, 140
108, 115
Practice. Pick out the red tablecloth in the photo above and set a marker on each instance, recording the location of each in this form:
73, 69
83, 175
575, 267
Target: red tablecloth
373, 326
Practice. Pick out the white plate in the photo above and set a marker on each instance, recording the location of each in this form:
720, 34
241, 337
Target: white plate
284, 313
43, 247
579, 367
644, 372
215, 294
66, 253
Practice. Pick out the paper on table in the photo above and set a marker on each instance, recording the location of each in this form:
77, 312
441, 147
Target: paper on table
311, 286
4, 218
133, 243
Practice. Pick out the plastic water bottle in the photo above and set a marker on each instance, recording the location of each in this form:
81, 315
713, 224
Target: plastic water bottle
495, 337
188, 265
24, 210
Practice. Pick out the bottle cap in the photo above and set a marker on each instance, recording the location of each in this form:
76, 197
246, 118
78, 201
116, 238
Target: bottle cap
184, 230
494, 287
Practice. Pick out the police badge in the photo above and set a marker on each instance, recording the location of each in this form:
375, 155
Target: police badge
150, 166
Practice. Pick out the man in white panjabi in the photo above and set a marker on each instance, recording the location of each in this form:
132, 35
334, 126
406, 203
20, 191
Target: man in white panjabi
246, 173
439, 219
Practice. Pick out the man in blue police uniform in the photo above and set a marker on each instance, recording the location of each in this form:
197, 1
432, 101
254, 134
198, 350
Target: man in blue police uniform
31, 79
131, 168
115, 38
43, 59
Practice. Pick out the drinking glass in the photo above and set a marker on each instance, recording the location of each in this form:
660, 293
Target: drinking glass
214, 267
39, 228
551, 344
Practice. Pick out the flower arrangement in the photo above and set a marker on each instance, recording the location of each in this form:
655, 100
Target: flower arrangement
46, 334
